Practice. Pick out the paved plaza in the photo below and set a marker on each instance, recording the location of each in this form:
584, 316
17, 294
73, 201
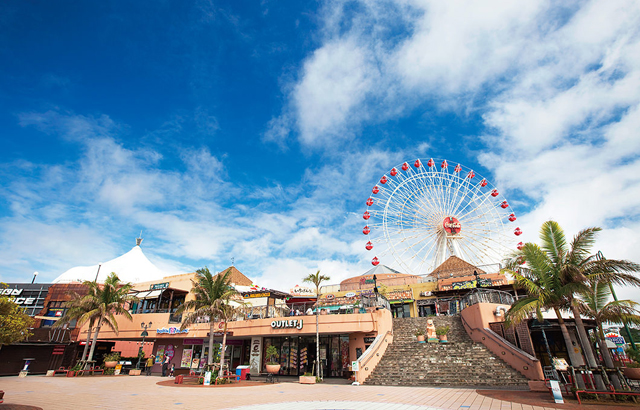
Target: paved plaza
143, 392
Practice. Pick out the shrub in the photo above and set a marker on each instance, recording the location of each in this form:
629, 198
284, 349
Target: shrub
272, 355
419, 332
442, 330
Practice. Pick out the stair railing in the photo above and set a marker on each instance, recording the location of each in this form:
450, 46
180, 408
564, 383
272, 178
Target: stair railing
523, 362
367, 360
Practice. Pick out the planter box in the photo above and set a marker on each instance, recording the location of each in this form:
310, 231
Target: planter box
307, 379
135, 372
420, 338
110, 364
273, 368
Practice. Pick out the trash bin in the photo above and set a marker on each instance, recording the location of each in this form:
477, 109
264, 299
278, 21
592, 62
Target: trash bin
242, 372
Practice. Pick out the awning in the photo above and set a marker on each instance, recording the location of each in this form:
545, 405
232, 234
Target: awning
47, 317
148, 294
401, 301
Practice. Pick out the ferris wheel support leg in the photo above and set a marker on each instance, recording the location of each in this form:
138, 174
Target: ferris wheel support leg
441, 251
456, 248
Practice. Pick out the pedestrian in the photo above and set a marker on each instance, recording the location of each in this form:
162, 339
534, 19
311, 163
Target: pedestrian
173, 367
150, 362
165, 365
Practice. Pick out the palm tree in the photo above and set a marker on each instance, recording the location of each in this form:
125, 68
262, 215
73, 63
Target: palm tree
110, 300
214, 298
596, 304
77, 307
317, 279
577, 268
569, 269
544, 290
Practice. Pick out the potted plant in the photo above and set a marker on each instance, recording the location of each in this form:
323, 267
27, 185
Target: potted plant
441, 332
420, 335
272, 355
307, 378
632, 370
72, 372
111, 359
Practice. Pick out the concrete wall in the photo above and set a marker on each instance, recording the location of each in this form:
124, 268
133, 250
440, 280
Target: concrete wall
372, 356
476, 319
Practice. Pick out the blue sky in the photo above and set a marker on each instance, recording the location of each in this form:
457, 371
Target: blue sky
255, 130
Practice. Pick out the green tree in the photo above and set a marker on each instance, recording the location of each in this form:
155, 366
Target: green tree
596, 303
316, 280
108, 301
14, 323
215, 298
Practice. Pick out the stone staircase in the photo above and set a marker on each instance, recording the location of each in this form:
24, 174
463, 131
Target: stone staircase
461, 362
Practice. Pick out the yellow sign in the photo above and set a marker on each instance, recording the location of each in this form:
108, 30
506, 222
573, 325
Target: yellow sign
257, 295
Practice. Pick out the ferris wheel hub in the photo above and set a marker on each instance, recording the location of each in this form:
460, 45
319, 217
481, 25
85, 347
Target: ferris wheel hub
451, 225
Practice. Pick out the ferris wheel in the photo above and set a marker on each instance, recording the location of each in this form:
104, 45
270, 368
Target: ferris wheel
422, 214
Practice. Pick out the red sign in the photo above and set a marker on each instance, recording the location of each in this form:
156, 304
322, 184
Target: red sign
452, 225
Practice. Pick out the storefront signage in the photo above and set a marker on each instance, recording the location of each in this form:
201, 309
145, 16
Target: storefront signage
256, 355
10, 292
302, 291
282, 324
158, 286
369, 340
350, 294
171, 330
23, 301
257, 295
330, 296
192, 341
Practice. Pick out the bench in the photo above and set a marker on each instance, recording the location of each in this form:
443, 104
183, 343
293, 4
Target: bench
181, 378
622, 393
61, 370
92, 370
230, 377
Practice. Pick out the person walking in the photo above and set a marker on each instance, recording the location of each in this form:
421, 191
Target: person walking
149, 365
165, 365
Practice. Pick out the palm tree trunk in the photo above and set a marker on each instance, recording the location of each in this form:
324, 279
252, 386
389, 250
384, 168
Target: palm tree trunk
86, 345
606, 356
586, 347
95, 340
317, 332
567, 341
224, 344
212, 329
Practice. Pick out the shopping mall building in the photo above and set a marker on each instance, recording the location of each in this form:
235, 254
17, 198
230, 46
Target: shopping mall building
355, 322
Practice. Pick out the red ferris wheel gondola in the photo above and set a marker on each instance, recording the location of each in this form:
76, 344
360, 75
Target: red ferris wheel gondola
517, 232
366, 215
417, 163
375, 261
383, 180
369, 201
393, 172
375, 189
512, 217
431, 163
369, 246
504, 204
366, 230
405, 166
520, 246
457, 169
483, 183
495, 193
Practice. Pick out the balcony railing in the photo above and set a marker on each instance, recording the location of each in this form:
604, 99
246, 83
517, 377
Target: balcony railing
175, 318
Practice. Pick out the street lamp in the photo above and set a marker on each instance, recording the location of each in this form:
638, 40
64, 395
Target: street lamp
35, 274
600, 257
375, 284
144, 334
545, 324
477, 275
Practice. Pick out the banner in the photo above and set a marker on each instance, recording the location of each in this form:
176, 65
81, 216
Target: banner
186, 357
160, 354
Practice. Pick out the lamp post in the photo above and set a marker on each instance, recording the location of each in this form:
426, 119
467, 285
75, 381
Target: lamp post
545, 324
35, 274
600, 257
477, 275
144, 334
375, 284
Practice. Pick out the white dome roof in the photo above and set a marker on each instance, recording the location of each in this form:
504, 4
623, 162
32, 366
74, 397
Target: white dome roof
132, 267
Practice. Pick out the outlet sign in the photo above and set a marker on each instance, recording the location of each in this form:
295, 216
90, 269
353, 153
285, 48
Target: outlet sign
284, 324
